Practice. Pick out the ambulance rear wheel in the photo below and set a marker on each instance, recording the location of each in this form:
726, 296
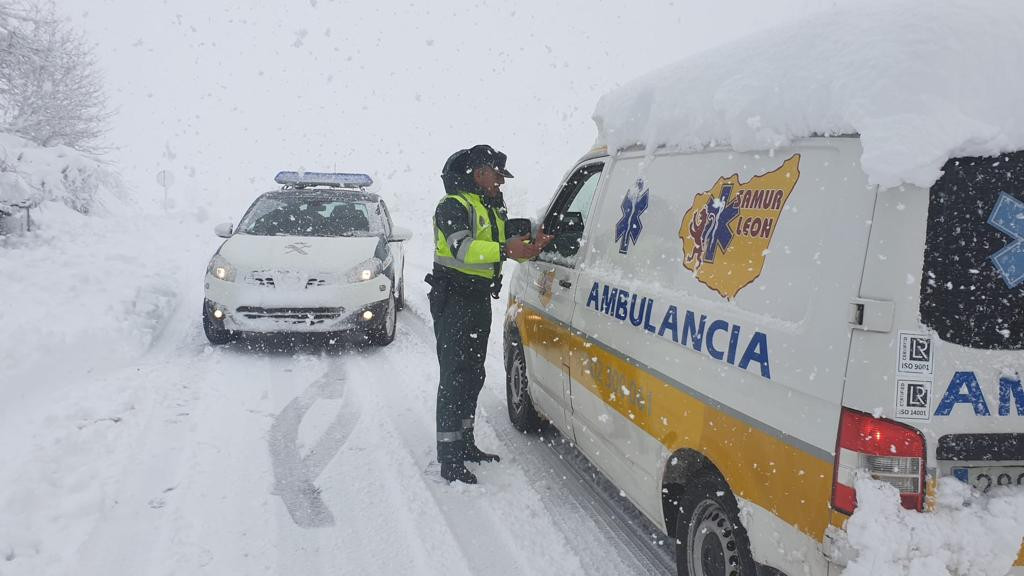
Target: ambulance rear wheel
710, 540
521, 412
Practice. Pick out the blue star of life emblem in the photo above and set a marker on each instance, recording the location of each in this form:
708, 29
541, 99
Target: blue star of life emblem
1008, 217
718, 235
629, 227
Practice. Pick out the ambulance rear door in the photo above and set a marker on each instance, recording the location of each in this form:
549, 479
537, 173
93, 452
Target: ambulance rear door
940, 346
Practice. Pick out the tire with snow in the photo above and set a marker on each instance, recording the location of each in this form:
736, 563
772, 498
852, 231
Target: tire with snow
400, 301
383, 331
215, 331
517, 391
710, 540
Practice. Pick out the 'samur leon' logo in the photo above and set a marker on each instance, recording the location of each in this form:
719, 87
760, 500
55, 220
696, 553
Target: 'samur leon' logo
727, 230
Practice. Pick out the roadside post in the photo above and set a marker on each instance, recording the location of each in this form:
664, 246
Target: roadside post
165, 178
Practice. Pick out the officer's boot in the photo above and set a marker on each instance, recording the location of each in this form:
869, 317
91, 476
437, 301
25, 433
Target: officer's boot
452, 471
474, 454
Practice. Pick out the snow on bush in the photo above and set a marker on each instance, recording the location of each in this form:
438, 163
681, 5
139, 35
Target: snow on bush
921, 82
966, 533
51, 88
31, 174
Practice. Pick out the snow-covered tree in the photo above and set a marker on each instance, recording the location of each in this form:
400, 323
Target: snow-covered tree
51, 90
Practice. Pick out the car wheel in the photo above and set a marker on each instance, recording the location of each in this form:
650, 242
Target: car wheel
710, 540
521, 412
383, 332
400, 302
215, 331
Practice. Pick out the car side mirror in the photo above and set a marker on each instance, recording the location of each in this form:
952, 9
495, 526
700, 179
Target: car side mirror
224, 230
399, 234
515, 227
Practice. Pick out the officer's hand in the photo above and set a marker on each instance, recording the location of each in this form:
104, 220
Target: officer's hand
518, 248
543, 239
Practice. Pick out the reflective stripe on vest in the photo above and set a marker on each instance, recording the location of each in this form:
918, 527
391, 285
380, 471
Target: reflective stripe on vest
480, 217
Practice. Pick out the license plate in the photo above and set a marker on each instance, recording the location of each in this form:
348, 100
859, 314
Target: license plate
985, 478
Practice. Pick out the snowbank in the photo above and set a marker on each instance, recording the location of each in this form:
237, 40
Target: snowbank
88, 290
30, 174
83, 298
920, 81
966, 533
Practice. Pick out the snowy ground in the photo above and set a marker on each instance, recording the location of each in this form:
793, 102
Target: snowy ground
133, 447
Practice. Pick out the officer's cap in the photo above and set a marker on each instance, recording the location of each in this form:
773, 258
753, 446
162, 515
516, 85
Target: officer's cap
484, 155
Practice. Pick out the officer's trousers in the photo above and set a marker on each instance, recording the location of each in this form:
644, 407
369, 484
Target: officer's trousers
462, 327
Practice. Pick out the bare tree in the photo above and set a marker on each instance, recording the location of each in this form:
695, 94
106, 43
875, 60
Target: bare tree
51, 90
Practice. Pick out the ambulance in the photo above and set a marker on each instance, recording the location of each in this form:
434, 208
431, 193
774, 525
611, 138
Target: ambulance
733, 337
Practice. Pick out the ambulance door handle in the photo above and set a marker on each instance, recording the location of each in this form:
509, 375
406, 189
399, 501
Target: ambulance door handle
565, 284
872, 315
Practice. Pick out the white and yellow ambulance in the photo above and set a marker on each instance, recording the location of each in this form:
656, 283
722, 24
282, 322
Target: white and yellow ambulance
734, 335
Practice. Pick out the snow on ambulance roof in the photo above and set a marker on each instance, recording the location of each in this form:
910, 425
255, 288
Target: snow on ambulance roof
921, 82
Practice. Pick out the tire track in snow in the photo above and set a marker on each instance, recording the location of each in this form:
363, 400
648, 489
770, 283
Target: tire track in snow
295, 475
387, 521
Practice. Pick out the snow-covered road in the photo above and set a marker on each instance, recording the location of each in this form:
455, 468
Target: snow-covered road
173, 457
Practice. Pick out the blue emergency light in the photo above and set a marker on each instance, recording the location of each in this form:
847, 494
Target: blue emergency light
333, 180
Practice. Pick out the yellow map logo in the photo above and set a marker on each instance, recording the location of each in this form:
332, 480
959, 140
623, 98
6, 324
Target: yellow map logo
727, 230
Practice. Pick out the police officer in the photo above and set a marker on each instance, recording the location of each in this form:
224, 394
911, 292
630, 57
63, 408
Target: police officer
470, 247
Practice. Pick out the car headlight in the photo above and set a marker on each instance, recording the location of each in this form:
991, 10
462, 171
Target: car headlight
221, 269
366, 270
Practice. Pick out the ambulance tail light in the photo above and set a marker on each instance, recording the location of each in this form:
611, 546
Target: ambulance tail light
889, 451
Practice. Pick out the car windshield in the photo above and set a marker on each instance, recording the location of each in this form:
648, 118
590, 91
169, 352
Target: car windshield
311, 217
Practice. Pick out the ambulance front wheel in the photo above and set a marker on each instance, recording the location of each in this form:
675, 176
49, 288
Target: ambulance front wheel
517, 391
710, 540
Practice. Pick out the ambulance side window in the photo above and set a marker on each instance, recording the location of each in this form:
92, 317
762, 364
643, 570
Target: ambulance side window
972, 286
568, 215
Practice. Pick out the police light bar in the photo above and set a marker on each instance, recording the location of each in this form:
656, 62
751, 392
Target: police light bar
334, 180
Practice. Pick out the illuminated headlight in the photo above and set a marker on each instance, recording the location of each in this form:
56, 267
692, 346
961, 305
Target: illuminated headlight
367, 270
221, 269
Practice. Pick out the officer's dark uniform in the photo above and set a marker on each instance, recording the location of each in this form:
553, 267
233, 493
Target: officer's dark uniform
469, 234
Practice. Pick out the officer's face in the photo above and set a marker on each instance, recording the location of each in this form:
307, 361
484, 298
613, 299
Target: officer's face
489, 179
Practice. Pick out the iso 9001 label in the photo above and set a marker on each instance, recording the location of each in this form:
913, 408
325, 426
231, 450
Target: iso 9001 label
916, 355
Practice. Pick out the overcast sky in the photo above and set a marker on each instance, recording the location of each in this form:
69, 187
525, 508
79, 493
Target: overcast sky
226, 93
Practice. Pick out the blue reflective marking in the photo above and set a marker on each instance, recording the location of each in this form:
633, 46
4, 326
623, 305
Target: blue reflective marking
960, 474
1008, 217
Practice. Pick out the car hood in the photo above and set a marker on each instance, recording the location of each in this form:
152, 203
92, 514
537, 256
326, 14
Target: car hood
249, 253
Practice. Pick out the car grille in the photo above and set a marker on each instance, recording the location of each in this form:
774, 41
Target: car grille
307, 316
286, 281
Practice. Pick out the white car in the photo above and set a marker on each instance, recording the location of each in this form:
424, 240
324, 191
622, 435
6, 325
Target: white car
320, 255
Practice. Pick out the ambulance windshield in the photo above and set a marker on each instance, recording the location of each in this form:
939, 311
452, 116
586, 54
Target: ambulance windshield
972, 288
